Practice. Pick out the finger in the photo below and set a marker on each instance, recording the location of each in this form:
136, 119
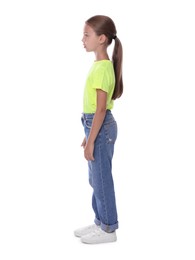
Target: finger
91, 158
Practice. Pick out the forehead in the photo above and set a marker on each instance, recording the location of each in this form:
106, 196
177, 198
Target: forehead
88, 29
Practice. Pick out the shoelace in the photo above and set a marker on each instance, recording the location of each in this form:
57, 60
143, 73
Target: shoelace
98, 232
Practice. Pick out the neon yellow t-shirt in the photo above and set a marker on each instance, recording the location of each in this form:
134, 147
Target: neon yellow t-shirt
101, 76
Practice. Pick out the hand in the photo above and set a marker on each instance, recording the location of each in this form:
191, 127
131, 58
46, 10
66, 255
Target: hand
88, 151
84, 142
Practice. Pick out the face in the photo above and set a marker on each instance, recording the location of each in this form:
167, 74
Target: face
90, 39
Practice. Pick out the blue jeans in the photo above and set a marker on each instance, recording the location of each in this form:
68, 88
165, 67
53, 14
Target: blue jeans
100, 172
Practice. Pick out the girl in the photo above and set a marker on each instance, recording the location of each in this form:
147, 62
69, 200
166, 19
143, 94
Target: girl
103, 85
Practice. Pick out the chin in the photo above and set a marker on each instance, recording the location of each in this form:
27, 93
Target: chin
88, 50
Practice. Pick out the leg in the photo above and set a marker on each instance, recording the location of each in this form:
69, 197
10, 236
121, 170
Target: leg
103, 186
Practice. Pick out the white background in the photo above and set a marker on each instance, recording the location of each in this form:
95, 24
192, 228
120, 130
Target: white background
44, 191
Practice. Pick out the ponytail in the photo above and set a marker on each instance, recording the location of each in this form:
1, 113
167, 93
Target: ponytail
117, 58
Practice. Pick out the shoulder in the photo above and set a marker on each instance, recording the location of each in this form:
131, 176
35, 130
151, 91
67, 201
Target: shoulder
103, 65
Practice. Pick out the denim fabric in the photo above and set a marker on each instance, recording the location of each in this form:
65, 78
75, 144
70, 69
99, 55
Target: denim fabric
100, 172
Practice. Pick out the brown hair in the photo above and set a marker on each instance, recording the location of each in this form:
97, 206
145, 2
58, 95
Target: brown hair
102, 24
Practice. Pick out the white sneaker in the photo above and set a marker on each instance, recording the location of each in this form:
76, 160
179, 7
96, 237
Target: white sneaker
99, 236
85, 230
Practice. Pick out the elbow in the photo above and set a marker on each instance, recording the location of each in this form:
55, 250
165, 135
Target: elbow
101, 110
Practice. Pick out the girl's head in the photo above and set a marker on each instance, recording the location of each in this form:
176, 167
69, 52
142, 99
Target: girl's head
99, 31
102, 28
103, 25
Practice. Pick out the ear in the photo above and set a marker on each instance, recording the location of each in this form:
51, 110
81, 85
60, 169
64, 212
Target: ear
102, 39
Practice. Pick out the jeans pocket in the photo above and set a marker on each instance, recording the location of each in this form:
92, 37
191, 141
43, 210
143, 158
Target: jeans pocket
110, 132
88, 123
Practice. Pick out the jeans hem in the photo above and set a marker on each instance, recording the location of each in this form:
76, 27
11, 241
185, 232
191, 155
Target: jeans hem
106, 228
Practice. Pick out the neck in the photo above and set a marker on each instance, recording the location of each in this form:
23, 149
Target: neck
101, 56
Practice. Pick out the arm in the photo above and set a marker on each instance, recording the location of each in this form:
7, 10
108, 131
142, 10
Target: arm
96, 124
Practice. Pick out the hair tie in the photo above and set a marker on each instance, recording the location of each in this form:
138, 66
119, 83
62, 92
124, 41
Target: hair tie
114, 37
